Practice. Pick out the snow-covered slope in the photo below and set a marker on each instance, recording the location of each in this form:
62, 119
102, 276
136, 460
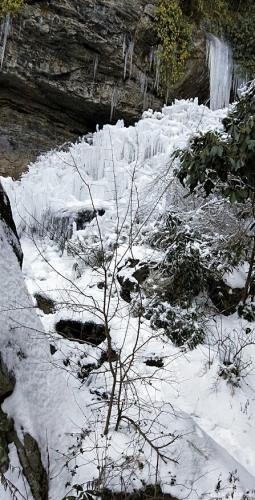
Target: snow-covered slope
122, 180
41, 395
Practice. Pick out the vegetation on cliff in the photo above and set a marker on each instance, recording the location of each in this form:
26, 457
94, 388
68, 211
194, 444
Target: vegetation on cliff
223, 163
10, 6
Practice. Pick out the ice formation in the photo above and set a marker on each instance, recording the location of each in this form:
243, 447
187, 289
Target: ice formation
128, 52
96, 61
114, 102
220, 62
57, 179
4, 33
155, 63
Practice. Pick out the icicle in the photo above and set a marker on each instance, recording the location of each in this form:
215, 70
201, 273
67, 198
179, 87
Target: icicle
131, 53
157, 74
143, 80
128, 52
4, 32
95, 67
155, 64
114, 102
124, 46
220, 62
151, 58
125, 65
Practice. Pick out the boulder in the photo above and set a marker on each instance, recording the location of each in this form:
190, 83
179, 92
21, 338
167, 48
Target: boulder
81, 332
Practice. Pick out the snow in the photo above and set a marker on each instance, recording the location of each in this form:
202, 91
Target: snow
41, 399
237, 277
125, 171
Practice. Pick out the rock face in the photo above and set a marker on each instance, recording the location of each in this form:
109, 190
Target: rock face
72, 64
9, 225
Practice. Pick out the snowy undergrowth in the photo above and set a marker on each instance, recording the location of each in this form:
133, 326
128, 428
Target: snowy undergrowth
199, 434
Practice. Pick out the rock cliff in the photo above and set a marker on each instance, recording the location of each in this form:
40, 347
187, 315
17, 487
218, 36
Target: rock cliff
72, 64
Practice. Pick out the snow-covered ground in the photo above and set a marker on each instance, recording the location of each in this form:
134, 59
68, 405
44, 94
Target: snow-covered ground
125, 175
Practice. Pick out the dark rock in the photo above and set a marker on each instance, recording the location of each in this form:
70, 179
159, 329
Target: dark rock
99, 395
9, 225
31, 463
157, 362
101, 285
29, 457
83, 217
142, 273
6, 426
7, 382
29, 453
224, 298
38, 477
252, 287
148, 493
86, 369
247, 311
138, 276
7, 385
109, 356
53, 349
63, 73
195, 82
44, 303
127, 286
89, 332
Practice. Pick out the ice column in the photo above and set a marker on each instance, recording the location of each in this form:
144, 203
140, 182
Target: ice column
220, 62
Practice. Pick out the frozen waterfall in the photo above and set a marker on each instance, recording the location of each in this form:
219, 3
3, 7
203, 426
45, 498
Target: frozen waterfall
220, 62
